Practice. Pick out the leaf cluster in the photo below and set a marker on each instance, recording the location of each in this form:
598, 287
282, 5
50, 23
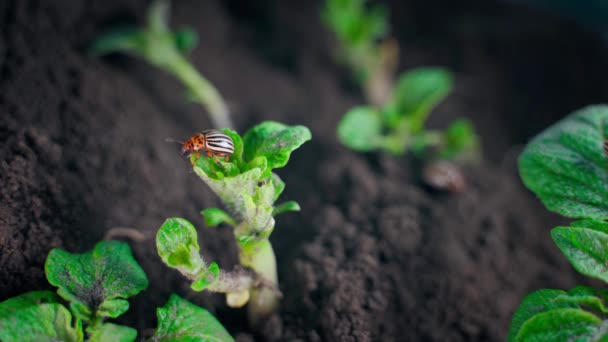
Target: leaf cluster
247, 184
567, 167
399, 125
96, 285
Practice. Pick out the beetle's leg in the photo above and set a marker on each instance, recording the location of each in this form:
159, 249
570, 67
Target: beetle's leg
209, 153
226, 158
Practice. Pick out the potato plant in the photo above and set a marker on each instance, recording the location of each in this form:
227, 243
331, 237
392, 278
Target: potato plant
566, 166
96, 286
249, 188
394, 120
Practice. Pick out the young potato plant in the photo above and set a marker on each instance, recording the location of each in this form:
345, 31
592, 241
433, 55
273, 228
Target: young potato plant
167, 50
567, 167
395, 119
248, 188
97, 285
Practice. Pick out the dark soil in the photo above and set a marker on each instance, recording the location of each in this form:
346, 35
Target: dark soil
374, 255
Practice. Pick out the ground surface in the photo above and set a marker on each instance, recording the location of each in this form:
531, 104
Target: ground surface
373, 255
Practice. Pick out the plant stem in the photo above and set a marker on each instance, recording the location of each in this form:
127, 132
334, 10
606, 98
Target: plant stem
200, 90
259, 256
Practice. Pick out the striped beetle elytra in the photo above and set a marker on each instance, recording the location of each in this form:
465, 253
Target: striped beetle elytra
213, 143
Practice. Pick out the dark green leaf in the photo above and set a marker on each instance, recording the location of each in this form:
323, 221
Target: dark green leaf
536, 302
113, 332
186, 40
566, 165
585, 244
89, 280
214, 217
417, 92
37, 316
177, 245
563, 324
180, 320
127, 39
284, 207
361, 129
274, 141
586, 297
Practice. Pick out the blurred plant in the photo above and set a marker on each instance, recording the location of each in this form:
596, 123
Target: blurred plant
249, 188
395, 119
96, 285
567, 167
167, 50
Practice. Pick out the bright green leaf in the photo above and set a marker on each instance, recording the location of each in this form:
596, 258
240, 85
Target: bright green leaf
113, 308
275, 141
586, 297
361, 129
113, 332
107, 272
177, 245
566, 165
417, 92
585, 246
38, 316
180, 320
207, 278
563, 324
215, 216
284, 207
534, 303
278, 184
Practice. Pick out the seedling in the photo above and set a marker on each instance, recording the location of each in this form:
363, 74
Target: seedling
97, 285
395, 119
248, 187
167, 50
567, 167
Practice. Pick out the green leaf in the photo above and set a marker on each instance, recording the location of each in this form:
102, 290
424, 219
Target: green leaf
284, 207
207, 278
278, 184
186, 40
113, 308
417, 92
214, 217
460, 141
122, 39
563, 324
113, 332
585, 244
586, 297
536, 302
361, 129
275, 141
180, 320
177, 245
566, 165
88, 280
38, 316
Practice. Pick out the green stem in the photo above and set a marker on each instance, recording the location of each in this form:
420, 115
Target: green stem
259, 256
200, 90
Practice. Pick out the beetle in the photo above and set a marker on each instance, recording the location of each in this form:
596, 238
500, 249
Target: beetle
213, 143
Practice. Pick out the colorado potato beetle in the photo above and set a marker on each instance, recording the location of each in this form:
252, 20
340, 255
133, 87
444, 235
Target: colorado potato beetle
213, 143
